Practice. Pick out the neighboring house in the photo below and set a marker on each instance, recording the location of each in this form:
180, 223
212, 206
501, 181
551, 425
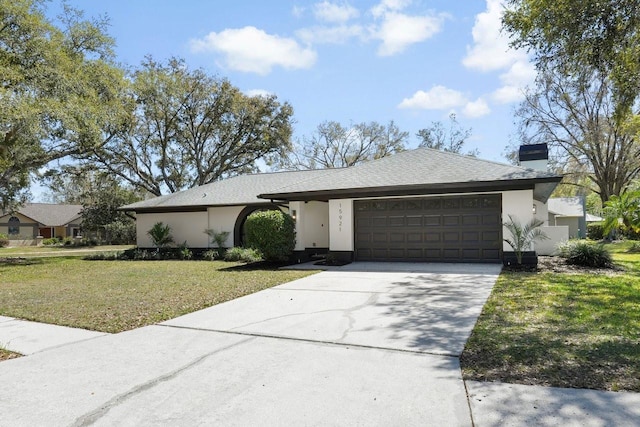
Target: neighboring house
418, 205
42, 219
569, 211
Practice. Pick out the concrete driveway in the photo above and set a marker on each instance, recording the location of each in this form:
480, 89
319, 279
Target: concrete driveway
369, 344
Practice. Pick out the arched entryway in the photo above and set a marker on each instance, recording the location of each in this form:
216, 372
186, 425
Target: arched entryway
238, 229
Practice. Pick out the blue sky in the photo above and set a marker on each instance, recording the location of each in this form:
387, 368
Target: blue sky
411, 61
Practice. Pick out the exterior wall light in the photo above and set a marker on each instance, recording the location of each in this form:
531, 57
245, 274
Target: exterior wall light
293, 214
535, 209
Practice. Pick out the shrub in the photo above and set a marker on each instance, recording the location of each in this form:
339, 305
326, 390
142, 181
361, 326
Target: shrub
210, 255
247, 255
160, 235
4, 240
595, 231
67, 241
120, 233
586, 254
218, 238
184, 252
51, 241
272, 233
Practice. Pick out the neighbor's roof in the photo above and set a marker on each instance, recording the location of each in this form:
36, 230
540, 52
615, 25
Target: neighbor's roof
51, 215
567, 206
239, 190
420, 171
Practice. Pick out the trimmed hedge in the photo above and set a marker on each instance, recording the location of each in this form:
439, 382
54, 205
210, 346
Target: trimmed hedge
272, 233
595, 231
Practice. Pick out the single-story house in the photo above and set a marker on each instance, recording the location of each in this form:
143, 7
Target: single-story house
569, 211
417, 205
42, 219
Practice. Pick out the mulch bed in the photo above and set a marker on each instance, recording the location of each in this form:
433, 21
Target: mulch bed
556, 264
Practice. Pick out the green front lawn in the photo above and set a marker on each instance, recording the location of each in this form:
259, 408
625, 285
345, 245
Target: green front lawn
114, 296
561, 329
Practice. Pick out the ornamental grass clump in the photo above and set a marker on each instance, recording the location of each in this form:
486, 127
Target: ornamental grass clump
586, 254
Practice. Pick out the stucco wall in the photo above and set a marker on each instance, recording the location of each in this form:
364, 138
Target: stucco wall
223, 219
572, 223
28, 228
518, 204
542, 212
556, 236
341, 225
185, 226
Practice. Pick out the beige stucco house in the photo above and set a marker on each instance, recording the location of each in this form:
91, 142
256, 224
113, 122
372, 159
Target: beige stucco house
417, 205
42, 219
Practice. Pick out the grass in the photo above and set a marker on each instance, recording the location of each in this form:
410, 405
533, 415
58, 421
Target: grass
47, 251
561, 329
6, 354
114, 296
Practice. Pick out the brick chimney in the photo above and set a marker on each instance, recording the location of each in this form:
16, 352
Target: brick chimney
534, 156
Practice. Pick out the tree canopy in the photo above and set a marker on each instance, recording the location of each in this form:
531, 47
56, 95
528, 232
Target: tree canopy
189, 128
574, 114
603, 35
61, 93
451, 139
334, 145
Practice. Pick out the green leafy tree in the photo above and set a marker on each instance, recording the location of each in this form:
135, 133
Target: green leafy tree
160, 235
574, 115
523, 236
61, 93
190, 129
451, 139
333, 145
622, 210
602, 35
272, 233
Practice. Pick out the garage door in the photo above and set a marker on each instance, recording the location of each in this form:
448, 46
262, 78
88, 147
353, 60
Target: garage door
433, 229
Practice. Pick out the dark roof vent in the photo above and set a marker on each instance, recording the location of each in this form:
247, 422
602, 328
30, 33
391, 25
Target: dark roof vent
533, 152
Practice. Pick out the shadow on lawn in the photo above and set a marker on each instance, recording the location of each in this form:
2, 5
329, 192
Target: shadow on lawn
20, 261
585, 338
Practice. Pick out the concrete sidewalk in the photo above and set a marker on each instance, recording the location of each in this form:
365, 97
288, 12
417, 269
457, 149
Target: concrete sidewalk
25, 337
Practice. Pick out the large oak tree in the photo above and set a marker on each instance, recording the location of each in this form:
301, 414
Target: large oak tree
575, 116
60, 92
189, 128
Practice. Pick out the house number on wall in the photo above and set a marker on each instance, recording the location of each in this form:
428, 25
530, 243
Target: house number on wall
339, 216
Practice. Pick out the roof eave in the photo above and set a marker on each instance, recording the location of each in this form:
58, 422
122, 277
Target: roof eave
418, 189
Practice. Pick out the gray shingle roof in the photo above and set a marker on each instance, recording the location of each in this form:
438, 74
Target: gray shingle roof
567, 206
51, 215
422, 166
239, 190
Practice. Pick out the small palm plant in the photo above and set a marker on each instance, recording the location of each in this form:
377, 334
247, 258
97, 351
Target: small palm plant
218, 238
522, 236
160, 235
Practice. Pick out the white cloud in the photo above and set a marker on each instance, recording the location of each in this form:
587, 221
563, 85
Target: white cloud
398, 31
389, 6
297, 11
332, 12
437, 98
490, 50
258, 92
519, 75
252, 50
335, 35
477, 108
